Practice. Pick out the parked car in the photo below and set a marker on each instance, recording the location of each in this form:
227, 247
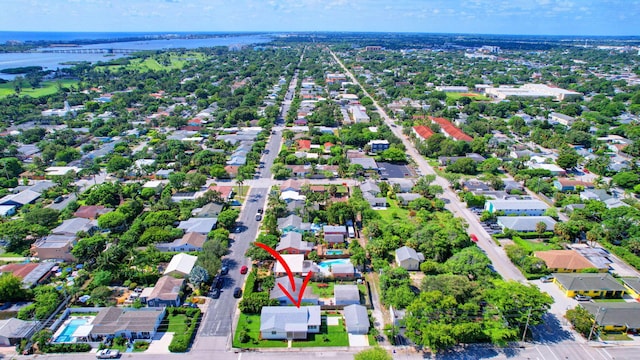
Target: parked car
224, 270
108, 354
473, 237
244, 269
218, 283
258, 217
260, 211
237, 293
58, 199
547, 279
582, 297
214, 293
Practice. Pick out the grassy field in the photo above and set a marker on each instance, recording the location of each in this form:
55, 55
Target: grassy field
47, 88
608, 300
177, 61
456, 96
393, 211
251, 323
328, 336
531, 245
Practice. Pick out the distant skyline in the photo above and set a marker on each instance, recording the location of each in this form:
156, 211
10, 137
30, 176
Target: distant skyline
518, 17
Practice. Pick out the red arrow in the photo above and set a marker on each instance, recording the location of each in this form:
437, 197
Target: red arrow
278, 257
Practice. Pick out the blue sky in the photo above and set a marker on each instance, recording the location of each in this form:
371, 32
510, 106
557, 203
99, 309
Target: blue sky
554, 17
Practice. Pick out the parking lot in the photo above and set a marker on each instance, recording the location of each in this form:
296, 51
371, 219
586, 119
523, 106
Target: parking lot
394, 171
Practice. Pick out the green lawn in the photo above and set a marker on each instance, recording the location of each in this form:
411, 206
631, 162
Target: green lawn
251, 324
531, 245
47, 88
608, 300
176, 324
393, 211
456, 96
322, 291
328, 336
615, 337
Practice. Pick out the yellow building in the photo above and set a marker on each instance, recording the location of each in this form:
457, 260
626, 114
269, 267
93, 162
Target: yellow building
615, 316
596, 285
633, 286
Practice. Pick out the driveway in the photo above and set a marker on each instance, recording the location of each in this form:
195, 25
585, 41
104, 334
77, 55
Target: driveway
160, 343
358, 340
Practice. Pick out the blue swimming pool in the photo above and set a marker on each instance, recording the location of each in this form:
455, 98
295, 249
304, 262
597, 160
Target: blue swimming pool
325, 264
70, 327
335, 252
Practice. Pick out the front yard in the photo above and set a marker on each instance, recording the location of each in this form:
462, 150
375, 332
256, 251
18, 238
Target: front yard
247, 335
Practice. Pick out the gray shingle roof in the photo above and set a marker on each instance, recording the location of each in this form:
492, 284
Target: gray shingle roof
615, 313
289, 318
112, 320
526, 223
74, 225
406, 252
344, 293
588, 281
294, 240
356, 316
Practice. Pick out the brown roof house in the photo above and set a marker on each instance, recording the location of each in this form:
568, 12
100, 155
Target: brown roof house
566, 261
91, 212
166, 292
190, 241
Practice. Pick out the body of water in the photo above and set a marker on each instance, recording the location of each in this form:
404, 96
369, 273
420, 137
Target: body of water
51, 61
324, 265
69, 328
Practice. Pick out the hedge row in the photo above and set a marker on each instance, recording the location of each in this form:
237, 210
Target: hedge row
623, 253
181, 342
67, 348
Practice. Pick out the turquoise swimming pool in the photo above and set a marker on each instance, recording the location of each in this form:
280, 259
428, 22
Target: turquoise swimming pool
335, 252
70, 327
324, 265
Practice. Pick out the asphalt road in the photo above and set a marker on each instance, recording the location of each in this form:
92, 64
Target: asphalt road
497, 255
221, 312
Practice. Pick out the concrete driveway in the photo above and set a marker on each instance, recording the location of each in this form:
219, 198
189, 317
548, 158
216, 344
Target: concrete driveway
160, 343
358, 340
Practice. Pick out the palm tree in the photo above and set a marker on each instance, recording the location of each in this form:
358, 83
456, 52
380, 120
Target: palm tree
541, 227
240, 181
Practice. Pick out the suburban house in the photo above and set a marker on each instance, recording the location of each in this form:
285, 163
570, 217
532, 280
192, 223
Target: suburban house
13, 330
166, 292
615, 316
297, 264
156, 185
378, 145
525, 223
277, 293
211, 210
346, 294
20, 199
292, 243
633, 286
422, 132
198, 225
516, 207
127, 322
408, 258
563, 119
288, 322
30, 273
189, 242
91, 212
54, 247
291, 195
332, 239
75, 225
335, 230
566, 261
448, 160
7, 210
375, 202
356, 319
181, 265
406, 198
292, 223
565, 184
595, 285
344, 271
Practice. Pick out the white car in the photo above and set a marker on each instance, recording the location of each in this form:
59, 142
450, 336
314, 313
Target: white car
108, 354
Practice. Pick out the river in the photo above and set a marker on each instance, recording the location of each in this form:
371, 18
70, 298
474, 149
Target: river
52, 61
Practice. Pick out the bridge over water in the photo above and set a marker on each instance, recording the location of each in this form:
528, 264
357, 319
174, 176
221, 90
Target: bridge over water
89, 51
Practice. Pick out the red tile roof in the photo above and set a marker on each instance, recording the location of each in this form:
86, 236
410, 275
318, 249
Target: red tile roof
423, 131
328, 145
223, 190
304, 144
448, 127
19, 270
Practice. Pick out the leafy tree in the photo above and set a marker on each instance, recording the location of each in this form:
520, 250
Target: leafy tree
394, 154
11, 167
471, 262
463, 166
107, 194
113, 221
195, 180
581, 319
100, 295
254, 302
118, 162
376, 353
626, 179
177, 179
227, 218
20, 234
198, 276
567, 158
160, 218
156, 234
11, 288
490, 165
42, 216
88, 249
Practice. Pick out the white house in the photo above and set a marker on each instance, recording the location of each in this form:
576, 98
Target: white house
516, 207
356, 319
181, 264
408, 258
288, 322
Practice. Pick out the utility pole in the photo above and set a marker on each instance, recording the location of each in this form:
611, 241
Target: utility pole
595, 322
526, 326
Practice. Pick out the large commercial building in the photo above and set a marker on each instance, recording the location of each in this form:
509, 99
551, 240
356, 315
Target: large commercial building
531, 91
